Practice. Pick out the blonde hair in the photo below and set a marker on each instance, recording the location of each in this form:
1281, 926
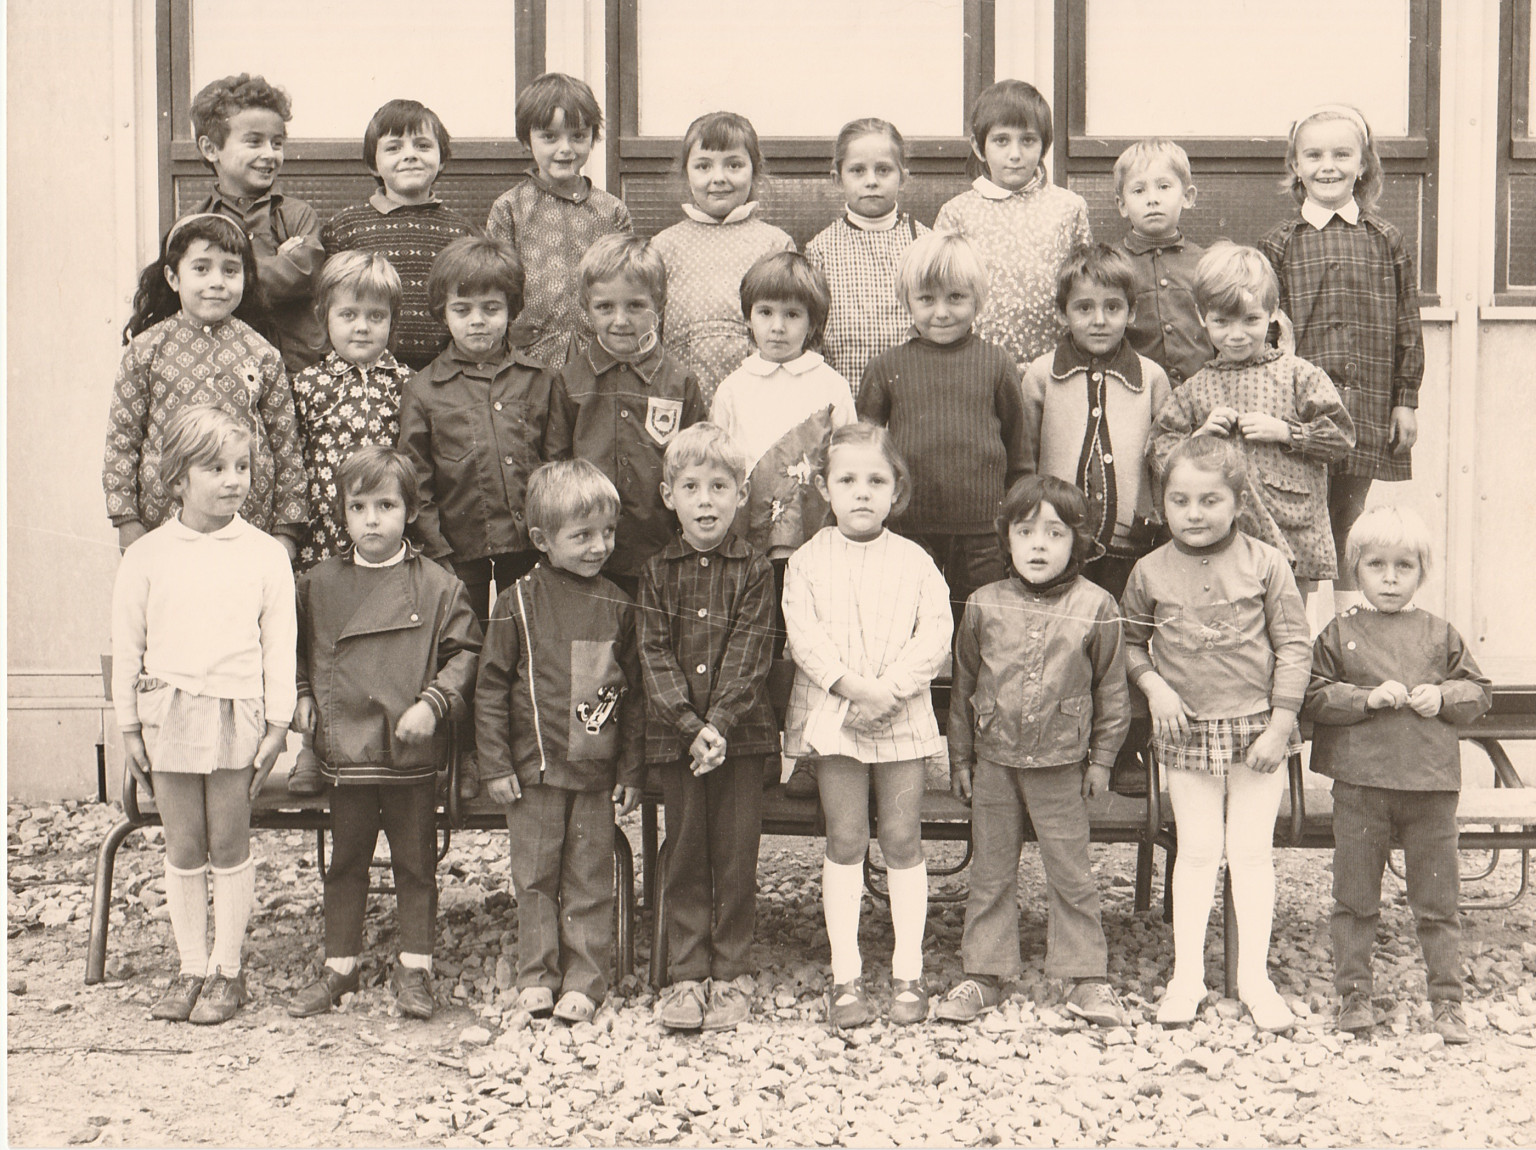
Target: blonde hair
1372, 176
1143, 153
938, 260
367, 275
1387, 526
560, 492
703, 443
197, 435
622, 256
1231, 277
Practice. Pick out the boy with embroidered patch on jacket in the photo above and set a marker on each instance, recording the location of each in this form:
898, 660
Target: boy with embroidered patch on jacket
560, 726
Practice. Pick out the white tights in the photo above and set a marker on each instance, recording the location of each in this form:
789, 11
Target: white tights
1237, 812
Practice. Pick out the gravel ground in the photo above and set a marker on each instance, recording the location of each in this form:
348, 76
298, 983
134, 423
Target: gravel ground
86, 1065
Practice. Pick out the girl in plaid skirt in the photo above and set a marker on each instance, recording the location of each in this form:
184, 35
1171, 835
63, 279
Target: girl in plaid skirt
1217, 640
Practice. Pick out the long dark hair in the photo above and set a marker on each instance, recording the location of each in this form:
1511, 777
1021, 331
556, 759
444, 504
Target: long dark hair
155, 300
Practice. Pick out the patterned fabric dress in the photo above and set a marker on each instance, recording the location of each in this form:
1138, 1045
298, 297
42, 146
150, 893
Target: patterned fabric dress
551, 230
178, 363
865, 318
1023, 237
341, 407
705, 262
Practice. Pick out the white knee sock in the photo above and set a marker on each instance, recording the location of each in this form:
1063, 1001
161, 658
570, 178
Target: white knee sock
909, 917
342, 966
416, 961
234, 894
842, 889
186, 897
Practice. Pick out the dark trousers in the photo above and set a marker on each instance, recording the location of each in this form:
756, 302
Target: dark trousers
1364, 820
714, 822
780, 634
966, 562
562, 875
1346, 503
408, 816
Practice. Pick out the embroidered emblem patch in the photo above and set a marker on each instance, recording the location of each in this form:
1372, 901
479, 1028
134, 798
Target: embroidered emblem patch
593, 718
662, 417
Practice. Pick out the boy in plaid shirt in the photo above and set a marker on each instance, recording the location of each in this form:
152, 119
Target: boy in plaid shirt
706, 642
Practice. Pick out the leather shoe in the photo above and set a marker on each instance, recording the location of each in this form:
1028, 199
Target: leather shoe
305, 778
324, 993
412, 988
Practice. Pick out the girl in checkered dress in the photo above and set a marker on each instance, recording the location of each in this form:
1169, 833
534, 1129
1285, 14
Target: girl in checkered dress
859, 251
1348, 284
1216, 638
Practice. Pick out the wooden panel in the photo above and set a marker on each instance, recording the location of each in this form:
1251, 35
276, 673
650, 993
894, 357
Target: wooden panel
1520, 227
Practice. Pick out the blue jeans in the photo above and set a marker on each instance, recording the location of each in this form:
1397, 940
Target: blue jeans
1364, 821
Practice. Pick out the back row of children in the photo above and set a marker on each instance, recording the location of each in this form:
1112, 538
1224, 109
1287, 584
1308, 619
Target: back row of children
476, 421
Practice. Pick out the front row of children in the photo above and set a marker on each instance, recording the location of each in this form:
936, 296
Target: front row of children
577, 690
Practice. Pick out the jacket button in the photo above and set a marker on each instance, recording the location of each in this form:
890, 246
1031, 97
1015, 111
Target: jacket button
510, 461
700, 669
1096, 376
703, 612
415, 618
1108, 458
1095, 412
703, 560
1167, 327
1163, 282
497, 405
624, 413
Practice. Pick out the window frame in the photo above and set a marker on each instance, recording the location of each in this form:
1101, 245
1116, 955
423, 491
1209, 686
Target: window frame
1417, 153
1516, 150
312, 156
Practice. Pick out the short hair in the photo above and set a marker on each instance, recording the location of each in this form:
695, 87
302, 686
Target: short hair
1098, 264
1231, 277
1010, 104
1023, 501
858, 129
1144, 153
401, 118
704, 443
471, 265
369, 468
1372, 176
556, 92
862, 433
720, 132
789, 277
1388, 526
940, 259
367, 275
620, 255
213, 107
559, 492
196, 435
1211, 453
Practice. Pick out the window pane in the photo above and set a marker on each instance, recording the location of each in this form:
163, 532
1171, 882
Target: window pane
1530, 80
341, 59
802, 67
1243, 67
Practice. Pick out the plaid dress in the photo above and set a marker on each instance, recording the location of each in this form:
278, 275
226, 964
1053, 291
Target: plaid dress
1353, 293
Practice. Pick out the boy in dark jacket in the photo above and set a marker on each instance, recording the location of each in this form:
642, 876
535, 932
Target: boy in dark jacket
387, 653
560, 725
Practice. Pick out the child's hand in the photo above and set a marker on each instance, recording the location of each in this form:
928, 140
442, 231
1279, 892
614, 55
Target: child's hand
304, 715
130, 533
267, 750
1426, 700
417, 724
627, 798
504, 791
1390, 694
1221, 421
1270, 749
1261, 428
290, 244
707, 750
136, 756
1405, 430
960, 782
1095, 781
1170, 714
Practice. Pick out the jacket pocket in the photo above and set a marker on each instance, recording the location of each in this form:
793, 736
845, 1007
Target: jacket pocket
1289, 501
1204, 628
1077, 716
453, 435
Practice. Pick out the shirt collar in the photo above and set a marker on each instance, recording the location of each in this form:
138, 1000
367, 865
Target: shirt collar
991, 191
384, 205
733, 546
1318, 216
451, 363
240, 204
805, 362
337, 366
1139, 245
915, 336
398, 558
1265, 356
872, 223
699, 216
1125, 364
602, 361
580, 196
234, 528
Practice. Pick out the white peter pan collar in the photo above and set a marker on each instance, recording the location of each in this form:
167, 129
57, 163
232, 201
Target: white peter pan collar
990, 191
1318, 216
737, 214
805, 362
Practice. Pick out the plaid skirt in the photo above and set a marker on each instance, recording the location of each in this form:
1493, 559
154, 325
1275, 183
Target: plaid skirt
190, 734
1214, 745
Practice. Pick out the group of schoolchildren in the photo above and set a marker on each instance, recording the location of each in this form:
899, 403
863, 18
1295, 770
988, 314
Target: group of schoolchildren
1063, 470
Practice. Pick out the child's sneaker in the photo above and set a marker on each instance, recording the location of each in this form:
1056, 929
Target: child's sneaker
730, 1003
1179, 1007
221, 997
176, 1004
1095, 1000
1356, 1015
575, 1006
538, 1001
968, 1001
1451, 1023
683, 1004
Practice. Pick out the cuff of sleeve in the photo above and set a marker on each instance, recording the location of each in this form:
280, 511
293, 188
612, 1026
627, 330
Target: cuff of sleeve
1406, 397
280, 724
1297, 432
959, 765
1286, 703
833, 675
1137, 674
123, 520
438, 701
1101, 759
294, 531
904, 686
130, 728
690, 724
305, 691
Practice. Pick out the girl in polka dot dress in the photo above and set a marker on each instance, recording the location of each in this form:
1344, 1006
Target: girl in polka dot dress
707, 254
1022, 225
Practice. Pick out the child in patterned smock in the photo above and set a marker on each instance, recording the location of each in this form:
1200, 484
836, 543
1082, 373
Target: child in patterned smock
552, 217
406, 148
708, 253
1023, 226
859, 251
190, 345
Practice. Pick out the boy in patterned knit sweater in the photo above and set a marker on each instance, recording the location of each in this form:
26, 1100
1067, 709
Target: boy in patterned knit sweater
406, 148
552, 217
953, 405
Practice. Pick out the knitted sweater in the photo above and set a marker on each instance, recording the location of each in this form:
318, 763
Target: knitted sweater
409, 236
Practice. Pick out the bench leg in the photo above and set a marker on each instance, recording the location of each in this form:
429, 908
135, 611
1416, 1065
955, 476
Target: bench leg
624, 904
648, 841
658, 905
1143, 876
101, 902
1228, 935
1170, 860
